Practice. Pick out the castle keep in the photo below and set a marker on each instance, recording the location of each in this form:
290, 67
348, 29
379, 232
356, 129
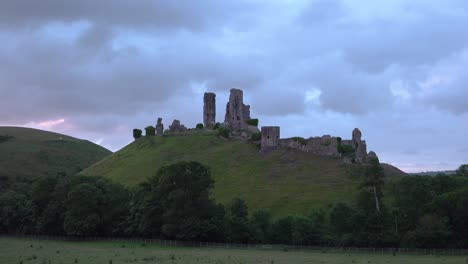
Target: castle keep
237, 119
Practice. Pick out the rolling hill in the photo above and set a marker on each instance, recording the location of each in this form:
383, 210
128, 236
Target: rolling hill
28, 153
286, 181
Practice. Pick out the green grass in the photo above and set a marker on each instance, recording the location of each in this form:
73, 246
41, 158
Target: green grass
283, 182
32, 153
38, 252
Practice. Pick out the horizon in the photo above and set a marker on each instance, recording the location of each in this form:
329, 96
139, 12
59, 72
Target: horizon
395, 69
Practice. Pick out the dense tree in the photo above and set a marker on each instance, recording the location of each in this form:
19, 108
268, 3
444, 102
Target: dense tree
137, 133
462, 170
15, 213
178, 204
260, 226
237, 221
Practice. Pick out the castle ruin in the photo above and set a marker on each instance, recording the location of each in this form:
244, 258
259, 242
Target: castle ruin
237, 119
209, 110
270, 138
236, 111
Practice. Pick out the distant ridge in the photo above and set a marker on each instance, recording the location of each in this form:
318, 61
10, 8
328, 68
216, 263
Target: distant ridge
432, 173
29, 153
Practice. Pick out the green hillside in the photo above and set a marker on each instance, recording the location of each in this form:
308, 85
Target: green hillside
29, 153
283, 182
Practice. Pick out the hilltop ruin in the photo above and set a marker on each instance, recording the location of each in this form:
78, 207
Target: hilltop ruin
237, 119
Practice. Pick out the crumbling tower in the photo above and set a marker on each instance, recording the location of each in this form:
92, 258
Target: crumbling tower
209, 110
236, 111
360, 146
270, 138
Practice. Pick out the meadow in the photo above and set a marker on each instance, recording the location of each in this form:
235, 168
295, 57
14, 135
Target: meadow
21, 250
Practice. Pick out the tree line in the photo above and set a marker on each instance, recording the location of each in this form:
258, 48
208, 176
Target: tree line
421, 211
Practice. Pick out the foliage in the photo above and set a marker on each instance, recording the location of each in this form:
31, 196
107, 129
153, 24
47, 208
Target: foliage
252, 122
4, 138
301, 140
237, 228
426, 212
223, 132
256, 136
199, 126
217, 125
150, 131
462, 170
137, 133
345, 149
178, 205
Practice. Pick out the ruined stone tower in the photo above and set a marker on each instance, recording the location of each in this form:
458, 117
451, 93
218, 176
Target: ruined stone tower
270, 138
236, 111
209, 110
359, 146
159, 127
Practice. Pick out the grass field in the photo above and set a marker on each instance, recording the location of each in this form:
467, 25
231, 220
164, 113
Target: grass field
283, 182
15, 250
32, 153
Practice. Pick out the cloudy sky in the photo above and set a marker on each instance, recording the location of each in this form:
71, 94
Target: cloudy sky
396, 69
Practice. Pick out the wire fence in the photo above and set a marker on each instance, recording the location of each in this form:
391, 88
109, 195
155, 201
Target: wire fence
317, 249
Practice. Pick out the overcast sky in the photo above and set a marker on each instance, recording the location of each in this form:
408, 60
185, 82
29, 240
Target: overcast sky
396, 69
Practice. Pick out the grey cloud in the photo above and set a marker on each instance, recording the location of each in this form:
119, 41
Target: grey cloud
424, 38
158, 14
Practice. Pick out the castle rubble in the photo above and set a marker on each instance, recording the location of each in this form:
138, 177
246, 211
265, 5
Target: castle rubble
177, 127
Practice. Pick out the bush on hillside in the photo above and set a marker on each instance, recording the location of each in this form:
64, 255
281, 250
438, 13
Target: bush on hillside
256, 136
150, 131
217, 125
137, 133
252, 122
5, 138
199, 126
223, 132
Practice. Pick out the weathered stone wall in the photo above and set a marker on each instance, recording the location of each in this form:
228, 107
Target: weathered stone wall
291, 143
209, 110
270, 138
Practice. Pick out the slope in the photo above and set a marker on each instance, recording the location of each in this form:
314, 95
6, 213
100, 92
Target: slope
283, 182
28, 153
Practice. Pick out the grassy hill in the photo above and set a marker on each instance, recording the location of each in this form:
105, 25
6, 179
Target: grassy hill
30, 153
283, 182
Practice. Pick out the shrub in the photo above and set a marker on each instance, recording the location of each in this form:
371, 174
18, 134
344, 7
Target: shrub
5, 138
137, 133
223, 132
256, 136
252, 122
150, 131
345, 149
301, 140
217, 125
199, 126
